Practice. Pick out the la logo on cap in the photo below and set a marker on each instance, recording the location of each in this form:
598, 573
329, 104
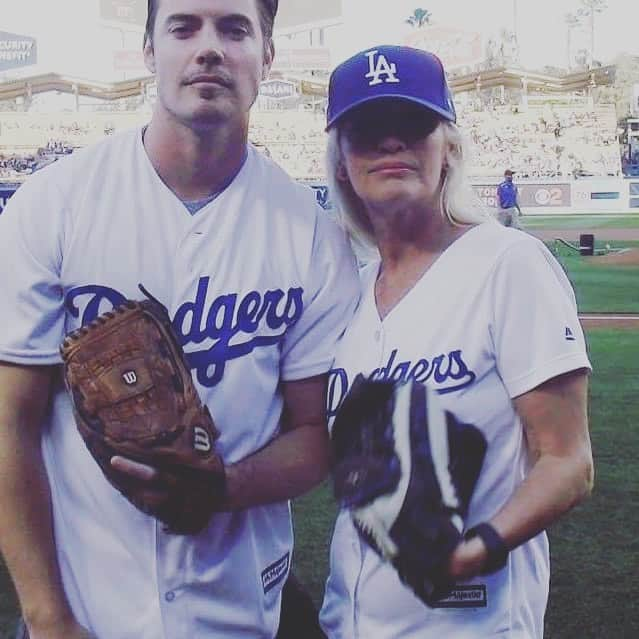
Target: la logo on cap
379, 66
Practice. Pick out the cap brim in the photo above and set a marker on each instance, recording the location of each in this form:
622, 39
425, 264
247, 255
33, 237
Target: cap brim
390, 96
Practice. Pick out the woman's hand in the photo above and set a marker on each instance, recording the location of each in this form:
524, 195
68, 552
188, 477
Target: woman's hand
467, 559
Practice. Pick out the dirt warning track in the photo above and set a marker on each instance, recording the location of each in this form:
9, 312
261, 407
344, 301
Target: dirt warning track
609, 320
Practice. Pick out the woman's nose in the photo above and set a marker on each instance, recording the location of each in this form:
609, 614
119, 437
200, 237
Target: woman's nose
391, 143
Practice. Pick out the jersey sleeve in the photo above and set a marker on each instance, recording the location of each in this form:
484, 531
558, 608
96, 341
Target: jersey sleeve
331, 294
30, 263
535, 328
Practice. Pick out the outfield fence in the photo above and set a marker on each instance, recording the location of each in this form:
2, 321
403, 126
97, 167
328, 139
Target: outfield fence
536, 197
544, 197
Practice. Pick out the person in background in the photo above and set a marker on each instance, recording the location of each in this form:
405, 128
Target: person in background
508, 201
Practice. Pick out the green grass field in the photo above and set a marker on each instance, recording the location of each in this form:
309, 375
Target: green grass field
600, 221
595, 549
601, 287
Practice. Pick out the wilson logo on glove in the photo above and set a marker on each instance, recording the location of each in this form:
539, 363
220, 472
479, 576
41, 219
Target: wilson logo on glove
201, 440
130, 378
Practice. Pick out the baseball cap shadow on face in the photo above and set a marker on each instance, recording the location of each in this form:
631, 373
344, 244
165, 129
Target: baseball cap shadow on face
372, 121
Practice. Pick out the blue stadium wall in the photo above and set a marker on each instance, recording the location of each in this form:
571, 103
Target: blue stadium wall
541, 197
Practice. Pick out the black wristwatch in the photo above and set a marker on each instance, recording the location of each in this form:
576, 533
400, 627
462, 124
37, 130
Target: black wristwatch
496, 546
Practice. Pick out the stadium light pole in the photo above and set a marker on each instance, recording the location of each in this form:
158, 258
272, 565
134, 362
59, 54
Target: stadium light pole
571, 21
588, 10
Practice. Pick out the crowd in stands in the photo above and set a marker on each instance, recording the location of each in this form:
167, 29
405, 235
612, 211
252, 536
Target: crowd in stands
543, 141
295, 140
30, 141
17, 165
564, 141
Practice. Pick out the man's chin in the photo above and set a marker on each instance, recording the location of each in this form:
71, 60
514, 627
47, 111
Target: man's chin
210, 116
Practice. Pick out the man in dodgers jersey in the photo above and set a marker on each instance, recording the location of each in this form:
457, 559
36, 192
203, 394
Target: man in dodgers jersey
260, 285
443, 304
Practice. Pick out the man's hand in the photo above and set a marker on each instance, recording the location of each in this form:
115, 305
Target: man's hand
152, 487
290, 465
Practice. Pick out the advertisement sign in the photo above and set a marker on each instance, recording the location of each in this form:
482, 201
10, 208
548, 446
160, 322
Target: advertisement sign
322, 196
454, 47
17, 51
124, 11
6, 191
530, 195
578, 196
599, 194
278, 89
318, 89
303, 59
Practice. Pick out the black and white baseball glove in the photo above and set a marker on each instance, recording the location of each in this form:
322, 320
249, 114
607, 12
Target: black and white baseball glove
406, 469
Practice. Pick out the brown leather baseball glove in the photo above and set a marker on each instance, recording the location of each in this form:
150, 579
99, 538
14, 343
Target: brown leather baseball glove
133, 396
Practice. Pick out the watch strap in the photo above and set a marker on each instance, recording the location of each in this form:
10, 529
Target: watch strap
495, 545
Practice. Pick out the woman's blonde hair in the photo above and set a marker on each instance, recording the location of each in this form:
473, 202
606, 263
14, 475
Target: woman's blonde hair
458, 202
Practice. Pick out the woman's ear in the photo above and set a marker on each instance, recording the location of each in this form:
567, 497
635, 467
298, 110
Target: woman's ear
342, 173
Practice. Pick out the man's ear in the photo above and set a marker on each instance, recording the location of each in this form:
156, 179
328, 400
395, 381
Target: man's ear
149, 55
269, 54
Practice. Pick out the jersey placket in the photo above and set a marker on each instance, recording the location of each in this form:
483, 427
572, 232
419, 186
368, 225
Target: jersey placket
171, 592
378, 334
172, 597
380, 343
377, 353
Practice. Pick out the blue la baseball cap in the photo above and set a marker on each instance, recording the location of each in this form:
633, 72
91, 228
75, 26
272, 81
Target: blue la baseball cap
389, 71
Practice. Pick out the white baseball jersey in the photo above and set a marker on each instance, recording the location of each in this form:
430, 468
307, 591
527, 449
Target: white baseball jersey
260, 284
491, 319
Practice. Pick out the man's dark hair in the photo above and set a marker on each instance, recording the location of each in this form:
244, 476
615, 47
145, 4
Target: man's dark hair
267, 9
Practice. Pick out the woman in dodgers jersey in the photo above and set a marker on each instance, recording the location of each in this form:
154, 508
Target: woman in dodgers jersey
482, 313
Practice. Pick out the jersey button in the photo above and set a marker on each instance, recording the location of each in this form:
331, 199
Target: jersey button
169, 596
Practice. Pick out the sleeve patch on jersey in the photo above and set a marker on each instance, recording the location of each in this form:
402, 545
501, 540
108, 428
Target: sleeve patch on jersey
275, 573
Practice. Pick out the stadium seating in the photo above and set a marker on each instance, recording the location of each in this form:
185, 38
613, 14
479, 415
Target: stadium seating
544, 141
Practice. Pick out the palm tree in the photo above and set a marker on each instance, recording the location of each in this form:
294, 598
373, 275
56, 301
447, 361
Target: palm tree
419, 19
588, 10
571, 21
